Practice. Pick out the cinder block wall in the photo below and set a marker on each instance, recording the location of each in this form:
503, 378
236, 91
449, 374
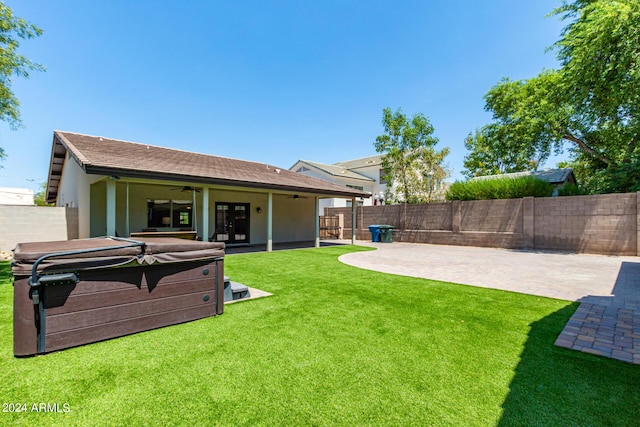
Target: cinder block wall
492, 216
601, 224
20, 224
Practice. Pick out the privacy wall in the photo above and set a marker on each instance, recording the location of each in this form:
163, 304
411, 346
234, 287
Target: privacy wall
600, 224
21, 224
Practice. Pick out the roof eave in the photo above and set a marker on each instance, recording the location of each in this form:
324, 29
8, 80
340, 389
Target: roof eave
97, 170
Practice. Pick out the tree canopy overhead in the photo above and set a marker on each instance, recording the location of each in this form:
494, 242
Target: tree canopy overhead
591, 104
411, 163
12, 63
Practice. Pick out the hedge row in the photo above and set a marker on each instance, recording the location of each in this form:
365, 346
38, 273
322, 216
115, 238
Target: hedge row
500, 188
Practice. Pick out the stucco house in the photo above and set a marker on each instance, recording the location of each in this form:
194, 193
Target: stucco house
364, 174
123, 188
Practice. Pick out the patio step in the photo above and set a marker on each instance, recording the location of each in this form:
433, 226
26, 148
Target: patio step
234, 291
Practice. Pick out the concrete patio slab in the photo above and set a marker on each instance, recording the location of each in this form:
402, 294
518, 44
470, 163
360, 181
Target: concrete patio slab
255, 294
556, 275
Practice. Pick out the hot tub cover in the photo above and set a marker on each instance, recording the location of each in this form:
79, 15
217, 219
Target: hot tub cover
109, 252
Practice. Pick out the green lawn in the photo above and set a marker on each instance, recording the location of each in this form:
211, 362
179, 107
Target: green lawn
335, 345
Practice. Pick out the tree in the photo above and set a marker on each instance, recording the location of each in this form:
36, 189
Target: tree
492, 154
40, 198
13, 63
429, 172
592, 103
530, 120
411, 164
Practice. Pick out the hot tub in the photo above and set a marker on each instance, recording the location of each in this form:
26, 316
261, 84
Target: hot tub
76, 292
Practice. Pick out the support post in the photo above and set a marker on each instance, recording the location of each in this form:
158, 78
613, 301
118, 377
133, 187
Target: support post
317, 222
111, 207
354, 209
270, 222
205, 214
127, 228
194, 212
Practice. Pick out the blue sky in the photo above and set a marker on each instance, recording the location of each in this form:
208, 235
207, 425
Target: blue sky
268, 81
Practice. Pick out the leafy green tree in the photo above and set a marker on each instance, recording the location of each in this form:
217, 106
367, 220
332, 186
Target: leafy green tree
530, 122
592, 103
40, 198
12, 63
491, 153
411, 163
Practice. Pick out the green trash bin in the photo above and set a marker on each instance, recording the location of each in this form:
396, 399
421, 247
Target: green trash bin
386, 233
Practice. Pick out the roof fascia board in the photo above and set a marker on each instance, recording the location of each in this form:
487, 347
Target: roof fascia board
93, 170
138, 181
318, 169
364, 177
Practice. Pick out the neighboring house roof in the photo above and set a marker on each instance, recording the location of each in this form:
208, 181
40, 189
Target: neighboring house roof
16, 196
363, 162
104, 156
334, 170
553, 176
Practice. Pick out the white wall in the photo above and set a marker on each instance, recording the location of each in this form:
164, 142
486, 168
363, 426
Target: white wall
372, 172
314, 173
98, 210
74, 192
293, 219
369, 187
21, 224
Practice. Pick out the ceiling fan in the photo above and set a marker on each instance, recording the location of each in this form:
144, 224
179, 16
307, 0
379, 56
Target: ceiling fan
296, 196
186, 188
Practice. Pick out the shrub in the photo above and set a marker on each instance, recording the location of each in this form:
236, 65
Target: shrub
571, 190
499, 188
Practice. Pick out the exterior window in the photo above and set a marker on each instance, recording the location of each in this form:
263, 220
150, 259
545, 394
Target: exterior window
181, 213
382, 180
356, 187
169, 213
184, 218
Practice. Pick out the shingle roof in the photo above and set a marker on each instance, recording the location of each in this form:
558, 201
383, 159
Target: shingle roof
337, 170
554, 176
361, 163
105, 156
